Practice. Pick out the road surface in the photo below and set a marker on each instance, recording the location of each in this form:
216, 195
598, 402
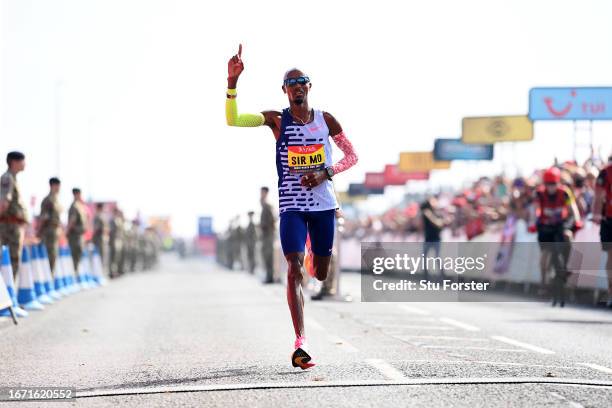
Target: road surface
193, 334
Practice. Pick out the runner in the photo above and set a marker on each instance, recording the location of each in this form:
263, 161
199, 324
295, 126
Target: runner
307, 202
557, 217
602, 215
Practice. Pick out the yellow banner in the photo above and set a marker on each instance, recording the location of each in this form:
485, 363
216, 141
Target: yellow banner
345, 198
420, 161
492, 129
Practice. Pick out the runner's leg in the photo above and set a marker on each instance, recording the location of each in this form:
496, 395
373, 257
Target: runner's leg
321, 227
293, 240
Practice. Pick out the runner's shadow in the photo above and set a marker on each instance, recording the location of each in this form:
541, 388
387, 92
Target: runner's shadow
230, 373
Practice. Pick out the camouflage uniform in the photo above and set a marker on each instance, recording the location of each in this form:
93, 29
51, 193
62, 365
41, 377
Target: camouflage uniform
267, 224
115, 240
50, 226
76, 229
13, 220
251, 240
100, 230
131, 247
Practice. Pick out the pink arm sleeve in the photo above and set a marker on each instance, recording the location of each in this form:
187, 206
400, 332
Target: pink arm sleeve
350, 157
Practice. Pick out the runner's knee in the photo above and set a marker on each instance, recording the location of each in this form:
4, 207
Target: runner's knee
295, 266
321, 266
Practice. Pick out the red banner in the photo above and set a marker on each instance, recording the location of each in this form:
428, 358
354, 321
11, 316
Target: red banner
394, 177
374, 180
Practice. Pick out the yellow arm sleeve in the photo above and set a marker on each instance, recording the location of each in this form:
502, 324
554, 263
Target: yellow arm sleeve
234, 118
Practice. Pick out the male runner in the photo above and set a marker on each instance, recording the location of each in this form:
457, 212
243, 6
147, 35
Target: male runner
602, 215
307, 202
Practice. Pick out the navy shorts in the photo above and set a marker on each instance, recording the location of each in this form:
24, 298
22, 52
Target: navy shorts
321, 225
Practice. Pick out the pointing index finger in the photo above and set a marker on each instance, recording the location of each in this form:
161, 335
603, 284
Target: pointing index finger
239, 50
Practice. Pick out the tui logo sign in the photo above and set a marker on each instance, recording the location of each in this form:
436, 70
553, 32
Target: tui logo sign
570, 103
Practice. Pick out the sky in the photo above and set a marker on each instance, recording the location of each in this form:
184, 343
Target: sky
125, 98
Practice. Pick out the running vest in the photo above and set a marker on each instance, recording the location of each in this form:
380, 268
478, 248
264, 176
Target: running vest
553, 209
302, 149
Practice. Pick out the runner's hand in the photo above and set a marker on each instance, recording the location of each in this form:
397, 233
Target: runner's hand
313, 179
235, 65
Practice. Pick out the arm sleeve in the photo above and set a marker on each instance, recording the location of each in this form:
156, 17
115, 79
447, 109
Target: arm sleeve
233, 118
350, 157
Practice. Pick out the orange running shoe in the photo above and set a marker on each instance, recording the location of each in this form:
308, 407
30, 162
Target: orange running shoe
300, 357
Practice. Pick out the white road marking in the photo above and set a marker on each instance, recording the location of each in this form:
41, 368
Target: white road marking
497, 363
523, 345
476, 348
386, 369
570, 403
414, 310
459, 324
598, 367
401, 319
446, 338
415, 326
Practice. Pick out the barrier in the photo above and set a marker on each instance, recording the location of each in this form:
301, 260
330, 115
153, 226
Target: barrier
39, 276
7, 278
89, 271
83, 271
587, 261
26, 296
97, 267
7, 275
59, 277
46, 267
68, 268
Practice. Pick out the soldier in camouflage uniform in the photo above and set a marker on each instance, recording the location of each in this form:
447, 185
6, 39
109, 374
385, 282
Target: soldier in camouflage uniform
100, 232
131, 246
115, 240
13, 213
267, 225
49, 227
77, 220
250, 240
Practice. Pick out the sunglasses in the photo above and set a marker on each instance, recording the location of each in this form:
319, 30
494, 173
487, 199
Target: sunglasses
303, 80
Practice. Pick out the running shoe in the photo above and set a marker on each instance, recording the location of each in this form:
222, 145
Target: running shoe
300, 357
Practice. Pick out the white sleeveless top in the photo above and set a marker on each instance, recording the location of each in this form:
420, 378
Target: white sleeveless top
303, 148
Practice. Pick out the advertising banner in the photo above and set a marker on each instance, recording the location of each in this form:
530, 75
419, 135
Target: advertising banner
494, 129
570, 104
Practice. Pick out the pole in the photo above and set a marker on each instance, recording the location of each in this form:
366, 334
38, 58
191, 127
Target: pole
574, 136
58, 112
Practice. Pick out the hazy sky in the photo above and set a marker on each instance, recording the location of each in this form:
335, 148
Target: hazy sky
138, 88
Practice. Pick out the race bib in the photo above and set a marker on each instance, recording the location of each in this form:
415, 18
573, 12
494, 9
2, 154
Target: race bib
306, 159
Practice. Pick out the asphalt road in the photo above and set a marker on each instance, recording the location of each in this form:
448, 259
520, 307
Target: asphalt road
192, 334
